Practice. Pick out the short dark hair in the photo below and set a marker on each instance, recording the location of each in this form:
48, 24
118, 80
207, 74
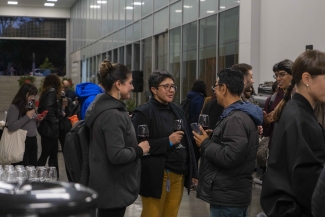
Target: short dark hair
285, 65
157, 77
242, 67
233, 79
275, 67
199, 86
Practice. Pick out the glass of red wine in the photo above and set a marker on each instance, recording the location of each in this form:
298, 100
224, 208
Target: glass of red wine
30, 105
204, 121
143, 134
178, 126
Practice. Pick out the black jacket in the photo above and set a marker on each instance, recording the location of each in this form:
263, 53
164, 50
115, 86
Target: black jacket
214, 110
317, 203
228, 161
152, 166
295, 162
114, 154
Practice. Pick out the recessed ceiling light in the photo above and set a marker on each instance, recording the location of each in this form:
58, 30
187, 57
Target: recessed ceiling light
94, 6
101, 2
210, 12
52, 0
12, 3
138, 3
49, 4
222, 7
202, 0
178, 11
128, 8
188, 6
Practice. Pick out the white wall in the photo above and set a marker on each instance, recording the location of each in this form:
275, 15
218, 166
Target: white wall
35, 12
286, 27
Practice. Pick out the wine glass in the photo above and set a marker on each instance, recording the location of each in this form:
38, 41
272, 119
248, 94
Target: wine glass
204, 121
143, 134
52, 174
178, 126
30, 105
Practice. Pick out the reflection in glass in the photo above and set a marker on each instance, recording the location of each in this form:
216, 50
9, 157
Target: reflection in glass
129, 34
136, 57
226, 4
190, 10
175, 14
122, 13
136, 31
160, 21
121, 55
128, 60
160, 3
146, 7
208, 7
121, 37
207, 50
129, 12
115, 56
136, 11
115, 15
189, 57
146, 65
228, 38
175, 57
161, 42
147, 24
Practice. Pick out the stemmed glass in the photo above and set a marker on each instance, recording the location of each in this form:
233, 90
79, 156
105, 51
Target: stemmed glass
30, 105
143, 134
204, 121
178, 126
52, 174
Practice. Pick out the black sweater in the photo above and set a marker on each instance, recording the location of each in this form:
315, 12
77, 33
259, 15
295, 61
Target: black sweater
152, 166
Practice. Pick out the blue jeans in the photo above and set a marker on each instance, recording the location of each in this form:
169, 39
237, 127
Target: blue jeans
226, 211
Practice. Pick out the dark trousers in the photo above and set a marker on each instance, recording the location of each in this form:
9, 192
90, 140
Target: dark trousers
119, 212
62, 134
49, 149
30, 155
197, 153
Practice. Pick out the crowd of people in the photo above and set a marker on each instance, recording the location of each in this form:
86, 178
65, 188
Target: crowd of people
218, 161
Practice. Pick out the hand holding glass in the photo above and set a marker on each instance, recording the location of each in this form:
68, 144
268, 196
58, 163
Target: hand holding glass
204, 121
143, 134
178, 126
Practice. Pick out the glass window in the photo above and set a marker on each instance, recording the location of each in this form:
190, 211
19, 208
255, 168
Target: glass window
116, 17
225, 4
228, 38
137, 9
146, 66
208, 7
121, 55
146, 7
136, 57
122, 13
175, 57
189, 57
190, 10
129, 34
115, 39
115, 55
160, 3
207, 51
104, 20
109, 42
175, 14
109, 55
128, 60
147, 26
121, 37
161, 21
129, 8
110, 16
161, 52
136, 31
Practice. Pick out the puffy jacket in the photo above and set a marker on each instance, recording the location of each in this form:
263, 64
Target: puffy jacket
228, 160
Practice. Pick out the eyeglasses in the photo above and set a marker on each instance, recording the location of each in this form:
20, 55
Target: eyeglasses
168, 87
214, 86
281, 75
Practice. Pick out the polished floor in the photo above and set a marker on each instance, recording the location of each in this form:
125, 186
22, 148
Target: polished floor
190, 206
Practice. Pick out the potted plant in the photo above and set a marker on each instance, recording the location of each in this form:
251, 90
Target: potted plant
130, 105
25, 79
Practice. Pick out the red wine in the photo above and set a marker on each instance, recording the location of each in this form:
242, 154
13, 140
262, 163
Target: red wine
143, 137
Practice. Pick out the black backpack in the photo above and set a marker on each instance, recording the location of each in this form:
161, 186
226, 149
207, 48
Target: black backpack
185, 105
76, 153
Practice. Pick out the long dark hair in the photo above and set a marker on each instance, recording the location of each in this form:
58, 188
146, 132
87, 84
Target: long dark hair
20, 100
199, 86
52, 80
313, 62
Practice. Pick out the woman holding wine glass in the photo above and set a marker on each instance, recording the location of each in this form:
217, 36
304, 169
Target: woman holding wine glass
171, 163
21, 115
114, 152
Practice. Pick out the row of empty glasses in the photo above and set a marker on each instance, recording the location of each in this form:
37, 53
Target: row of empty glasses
10, 173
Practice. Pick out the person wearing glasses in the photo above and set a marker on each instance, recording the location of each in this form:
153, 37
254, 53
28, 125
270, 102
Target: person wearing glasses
297, 153
22, 115
282, 75
228, 155
171, 163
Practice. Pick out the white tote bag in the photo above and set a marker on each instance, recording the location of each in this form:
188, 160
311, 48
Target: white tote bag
12, 146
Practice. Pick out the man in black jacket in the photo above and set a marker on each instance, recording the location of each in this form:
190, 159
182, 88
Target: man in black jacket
228, 156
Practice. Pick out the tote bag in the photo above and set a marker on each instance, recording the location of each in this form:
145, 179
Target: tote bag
12, 146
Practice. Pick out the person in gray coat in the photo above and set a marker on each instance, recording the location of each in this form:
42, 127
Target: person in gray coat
228, 156
114, 153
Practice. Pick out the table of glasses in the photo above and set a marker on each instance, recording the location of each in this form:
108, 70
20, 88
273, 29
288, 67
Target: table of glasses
10, 173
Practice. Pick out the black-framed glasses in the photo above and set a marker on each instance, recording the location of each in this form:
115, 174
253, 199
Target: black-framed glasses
168, 87
281, 75
214, 86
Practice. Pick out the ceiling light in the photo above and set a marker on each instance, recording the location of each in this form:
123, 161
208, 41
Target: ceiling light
202, 0
101, 2
138, 3
52, 0
222, 7
210, 12
49, 4
188, 6
178, 11
94, 6
128, 8
12, 3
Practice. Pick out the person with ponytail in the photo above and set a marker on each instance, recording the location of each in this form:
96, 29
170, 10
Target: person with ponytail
298, 143
114, 153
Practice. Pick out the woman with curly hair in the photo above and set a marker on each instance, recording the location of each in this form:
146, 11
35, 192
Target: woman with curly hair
49, 128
